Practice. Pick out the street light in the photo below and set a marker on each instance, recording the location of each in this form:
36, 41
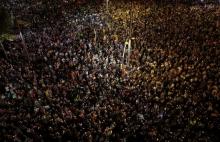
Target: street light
107, 1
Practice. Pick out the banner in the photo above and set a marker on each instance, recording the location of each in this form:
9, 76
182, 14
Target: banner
127, 49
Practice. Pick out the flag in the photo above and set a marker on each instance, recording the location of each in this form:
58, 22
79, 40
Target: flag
21, 36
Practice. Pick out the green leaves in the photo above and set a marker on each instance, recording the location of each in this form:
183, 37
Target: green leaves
6, 25
8, 37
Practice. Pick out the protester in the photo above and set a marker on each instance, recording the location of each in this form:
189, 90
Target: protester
74, 85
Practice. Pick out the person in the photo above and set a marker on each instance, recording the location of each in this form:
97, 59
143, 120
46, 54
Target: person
74, 89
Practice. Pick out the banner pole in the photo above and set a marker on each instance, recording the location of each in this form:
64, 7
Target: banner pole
3, 50
25, 46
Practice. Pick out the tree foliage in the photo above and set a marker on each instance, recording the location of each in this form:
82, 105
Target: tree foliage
6, 21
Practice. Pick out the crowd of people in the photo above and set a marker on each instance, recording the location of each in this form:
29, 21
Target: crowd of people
67, 81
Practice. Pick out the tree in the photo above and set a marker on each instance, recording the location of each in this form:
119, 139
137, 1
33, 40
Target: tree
6, 21
5, 28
